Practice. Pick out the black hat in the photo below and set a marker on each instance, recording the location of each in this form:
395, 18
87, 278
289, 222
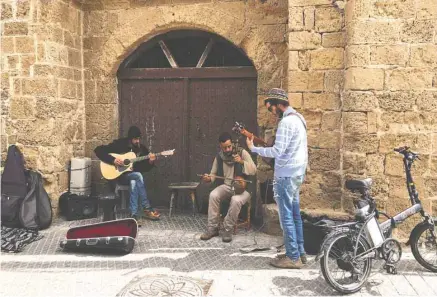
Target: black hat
277, 95
134, 132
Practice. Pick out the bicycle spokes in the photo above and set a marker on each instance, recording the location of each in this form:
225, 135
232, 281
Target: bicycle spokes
427, 247
343, 266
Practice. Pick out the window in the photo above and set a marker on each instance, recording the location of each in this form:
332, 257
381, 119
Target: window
187, 48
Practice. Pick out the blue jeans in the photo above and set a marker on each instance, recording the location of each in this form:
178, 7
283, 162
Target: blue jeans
286, 194
137, 190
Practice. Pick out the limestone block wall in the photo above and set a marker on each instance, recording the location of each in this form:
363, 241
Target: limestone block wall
390, 96
316, 72
113, 29
42, 101
363, 73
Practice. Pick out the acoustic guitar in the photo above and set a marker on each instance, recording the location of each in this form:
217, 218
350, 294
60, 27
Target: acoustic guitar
111, 171
239, 128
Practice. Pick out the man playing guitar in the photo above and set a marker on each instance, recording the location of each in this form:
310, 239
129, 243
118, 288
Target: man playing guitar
134, 178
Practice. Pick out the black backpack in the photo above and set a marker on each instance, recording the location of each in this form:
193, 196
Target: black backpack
13, 188
36, 209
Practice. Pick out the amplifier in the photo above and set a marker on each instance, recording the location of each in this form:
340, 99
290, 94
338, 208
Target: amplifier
266, 192
77, 207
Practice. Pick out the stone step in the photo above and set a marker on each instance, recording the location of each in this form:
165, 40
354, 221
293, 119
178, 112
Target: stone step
271, 217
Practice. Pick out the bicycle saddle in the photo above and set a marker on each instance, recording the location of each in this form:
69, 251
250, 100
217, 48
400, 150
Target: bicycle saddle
354, 184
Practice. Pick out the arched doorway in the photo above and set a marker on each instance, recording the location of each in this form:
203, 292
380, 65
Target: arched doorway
183, 89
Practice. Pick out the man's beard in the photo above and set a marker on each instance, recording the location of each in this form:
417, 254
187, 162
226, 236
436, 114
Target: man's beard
280, 114
227, 153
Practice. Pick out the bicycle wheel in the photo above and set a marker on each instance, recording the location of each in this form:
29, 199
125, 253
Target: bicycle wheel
350, 275
421, 241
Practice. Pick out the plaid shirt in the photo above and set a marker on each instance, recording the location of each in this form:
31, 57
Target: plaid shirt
290, 150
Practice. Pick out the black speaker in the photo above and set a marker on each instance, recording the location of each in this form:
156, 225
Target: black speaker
76, 207
266, 191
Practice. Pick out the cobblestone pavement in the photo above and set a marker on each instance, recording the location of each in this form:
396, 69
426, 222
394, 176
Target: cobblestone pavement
171, 248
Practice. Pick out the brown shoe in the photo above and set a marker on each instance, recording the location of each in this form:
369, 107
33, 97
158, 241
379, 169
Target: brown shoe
286, 263
151, 215
152, 210
280, 256
303, 258
209, 234
227, 236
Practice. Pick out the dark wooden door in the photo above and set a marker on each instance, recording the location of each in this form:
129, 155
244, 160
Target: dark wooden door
215, 106
157, 107
186, 110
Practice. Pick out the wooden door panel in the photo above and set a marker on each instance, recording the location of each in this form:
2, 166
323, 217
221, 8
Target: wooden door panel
187, 115
157, 108
215, 105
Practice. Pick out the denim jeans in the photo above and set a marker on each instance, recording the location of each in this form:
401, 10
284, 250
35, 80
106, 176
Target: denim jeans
286, 194
137, 190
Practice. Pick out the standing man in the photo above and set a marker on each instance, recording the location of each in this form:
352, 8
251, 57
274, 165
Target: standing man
227, 164
131, 143
291, 157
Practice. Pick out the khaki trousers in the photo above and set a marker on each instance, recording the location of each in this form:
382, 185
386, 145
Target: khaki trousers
237, 201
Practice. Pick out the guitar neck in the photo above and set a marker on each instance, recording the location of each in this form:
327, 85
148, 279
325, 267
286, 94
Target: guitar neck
256, 139
138, 159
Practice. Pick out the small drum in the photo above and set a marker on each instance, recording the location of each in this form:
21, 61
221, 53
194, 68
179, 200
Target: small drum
239, 185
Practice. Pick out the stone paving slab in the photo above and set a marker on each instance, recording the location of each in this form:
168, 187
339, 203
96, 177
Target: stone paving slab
172, 247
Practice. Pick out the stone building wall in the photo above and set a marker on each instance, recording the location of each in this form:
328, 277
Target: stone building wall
364, 75
390, 97
316, 74
113, 29
42, 102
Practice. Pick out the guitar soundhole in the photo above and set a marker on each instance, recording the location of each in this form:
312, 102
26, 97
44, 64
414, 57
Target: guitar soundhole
126, 162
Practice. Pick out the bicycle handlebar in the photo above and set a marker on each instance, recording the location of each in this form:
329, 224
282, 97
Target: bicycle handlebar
409, 156
401, 149
405, 150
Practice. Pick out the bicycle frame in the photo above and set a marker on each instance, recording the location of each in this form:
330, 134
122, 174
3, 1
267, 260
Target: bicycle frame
391, 222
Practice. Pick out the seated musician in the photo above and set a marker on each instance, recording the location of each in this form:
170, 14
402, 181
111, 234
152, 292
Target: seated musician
229, 165
134, 178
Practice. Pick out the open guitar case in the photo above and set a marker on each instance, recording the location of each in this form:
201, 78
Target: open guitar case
116, 236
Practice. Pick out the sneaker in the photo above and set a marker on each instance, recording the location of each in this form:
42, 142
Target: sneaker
227, 236
286, 262
151, 215
303, 258
209, 234
156, 213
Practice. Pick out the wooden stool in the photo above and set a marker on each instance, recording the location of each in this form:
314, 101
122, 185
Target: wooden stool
106, 207
176, 187
122, 194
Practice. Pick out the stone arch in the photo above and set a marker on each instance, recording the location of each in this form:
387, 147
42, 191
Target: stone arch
121, 42
139, 25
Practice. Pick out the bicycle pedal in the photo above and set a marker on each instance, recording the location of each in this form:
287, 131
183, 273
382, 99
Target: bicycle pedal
391, 269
